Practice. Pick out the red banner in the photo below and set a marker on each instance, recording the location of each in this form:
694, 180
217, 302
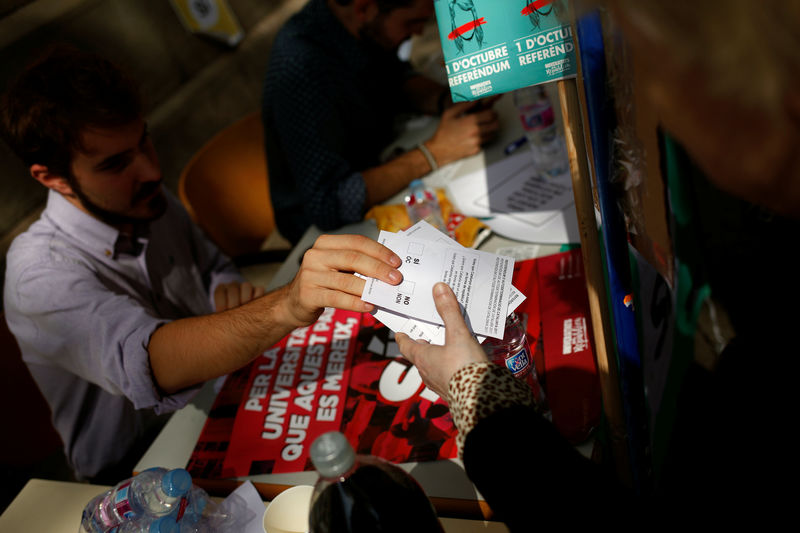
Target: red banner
295, 393
344, 373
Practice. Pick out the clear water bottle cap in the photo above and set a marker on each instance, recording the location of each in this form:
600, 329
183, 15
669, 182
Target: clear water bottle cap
332, 454
416, 184
165, 524
176, 482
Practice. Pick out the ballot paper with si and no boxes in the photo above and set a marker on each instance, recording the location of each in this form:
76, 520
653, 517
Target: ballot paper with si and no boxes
480, 280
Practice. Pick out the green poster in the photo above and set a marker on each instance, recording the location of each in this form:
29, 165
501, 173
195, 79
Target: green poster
496, 46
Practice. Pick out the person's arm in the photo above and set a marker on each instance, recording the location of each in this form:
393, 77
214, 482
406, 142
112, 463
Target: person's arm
192, 350
510, 452
230, 295
310, 137
461, 133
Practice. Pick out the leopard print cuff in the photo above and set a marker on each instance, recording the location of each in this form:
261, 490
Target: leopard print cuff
480, 389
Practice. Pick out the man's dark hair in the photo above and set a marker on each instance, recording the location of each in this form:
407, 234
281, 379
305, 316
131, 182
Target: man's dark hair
57, 97
384, 6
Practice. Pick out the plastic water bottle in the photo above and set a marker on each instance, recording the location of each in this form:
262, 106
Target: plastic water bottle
153, 493
203, 515
197, 505
161, 524
364, 493
538, 120
422, 204
514, 353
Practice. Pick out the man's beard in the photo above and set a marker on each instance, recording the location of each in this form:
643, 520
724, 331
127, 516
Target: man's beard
158, 205
373, 35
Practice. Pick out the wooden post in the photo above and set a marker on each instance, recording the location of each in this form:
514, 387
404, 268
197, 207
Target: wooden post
595, 280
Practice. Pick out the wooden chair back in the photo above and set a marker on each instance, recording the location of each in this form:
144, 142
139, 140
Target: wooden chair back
225, 188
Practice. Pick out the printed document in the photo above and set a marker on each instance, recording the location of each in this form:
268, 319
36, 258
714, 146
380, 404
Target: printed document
480, 280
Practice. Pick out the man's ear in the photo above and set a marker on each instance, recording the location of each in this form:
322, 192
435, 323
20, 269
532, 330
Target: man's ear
56, 182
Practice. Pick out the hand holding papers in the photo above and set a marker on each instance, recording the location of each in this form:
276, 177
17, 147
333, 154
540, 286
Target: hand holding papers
480, 280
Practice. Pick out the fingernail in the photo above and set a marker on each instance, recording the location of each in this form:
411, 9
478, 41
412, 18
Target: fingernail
396, 261
395, 276
440, 289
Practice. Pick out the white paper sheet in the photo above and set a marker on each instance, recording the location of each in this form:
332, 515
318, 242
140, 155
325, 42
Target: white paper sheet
254, 504
423, 230
481, 281
417, 329
525, 206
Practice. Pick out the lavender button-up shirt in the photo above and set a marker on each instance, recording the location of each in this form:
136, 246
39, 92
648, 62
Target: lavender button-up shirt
83, 310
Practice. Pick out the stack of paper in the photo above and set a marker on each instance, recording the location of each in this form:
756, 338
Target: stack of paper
480, 280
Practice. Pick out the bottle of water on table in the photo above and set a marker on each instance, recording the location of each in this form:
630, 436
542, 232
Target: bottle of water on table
153, 493
538, 121
514, 353
161, 524
422, 204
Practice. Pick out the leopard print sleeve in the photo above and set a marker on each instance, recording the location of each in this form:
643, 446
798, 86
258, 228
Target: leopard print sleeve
480, 389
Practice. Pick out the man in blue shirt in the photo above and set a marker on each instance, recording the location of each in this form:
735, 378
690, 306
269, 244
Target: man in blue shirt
120, 306
333, 89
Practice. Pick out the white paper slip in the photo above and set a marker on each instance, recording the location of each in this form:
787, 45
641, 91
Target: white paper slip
417, 329
480, 280
423, 230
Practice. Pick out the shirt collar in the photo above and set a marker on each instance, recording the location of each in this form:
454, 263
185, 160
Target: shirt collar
97, 237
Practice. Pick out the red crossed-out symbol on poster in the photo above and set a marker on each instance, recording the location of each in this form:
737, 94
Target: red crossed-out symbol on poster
464, 28
458, 33
534, 6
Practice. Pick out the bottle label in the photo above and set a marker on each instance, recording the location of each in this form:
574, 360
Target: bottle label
122, 501
104, 514
536, 117
519, 363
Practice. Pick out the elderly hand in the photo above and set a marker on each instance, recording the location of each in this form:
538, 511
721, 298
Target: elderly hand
230, 295
437, 364
326, 277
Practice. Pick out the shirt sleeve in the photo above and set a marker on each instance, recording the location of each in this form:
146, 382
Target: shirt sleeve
478, 390
504, 442
90, 329
311, 138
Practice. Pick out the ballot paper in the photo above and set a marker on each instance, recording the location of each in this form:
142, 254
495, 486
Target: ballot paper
425, 231
480, 280
417, 329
